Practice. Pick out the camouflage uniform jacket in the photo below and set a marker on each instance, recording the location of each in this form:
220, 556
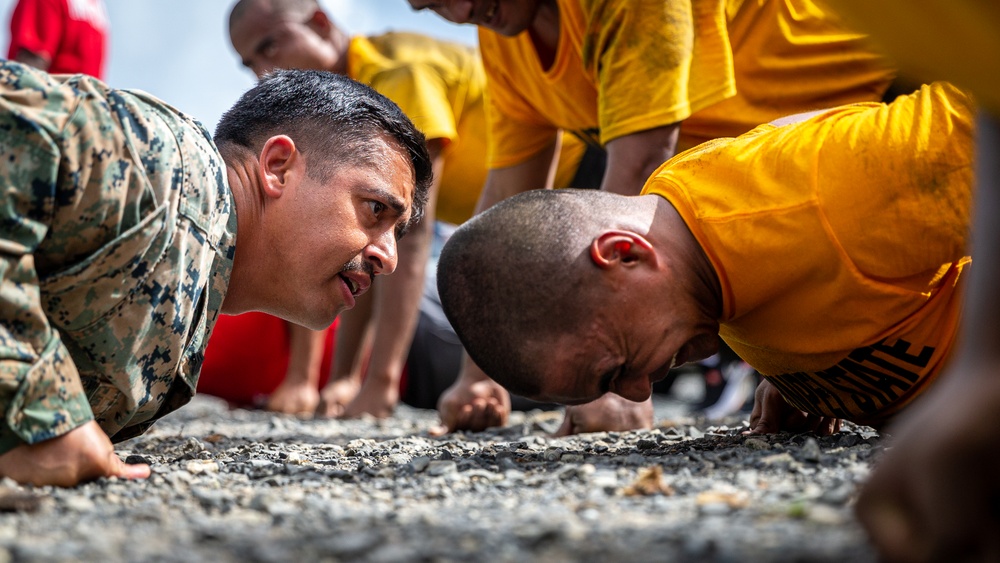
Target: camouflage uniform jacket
117, 233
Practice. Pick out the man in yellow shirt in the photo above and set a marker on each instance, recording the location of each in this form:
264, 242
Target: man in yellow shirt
642, 79
830, 253
933, 495
440, 86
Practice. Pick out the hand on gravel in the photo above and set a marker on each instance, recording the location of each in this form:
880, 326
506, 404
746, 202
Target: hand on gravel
377, 397
935, 495
82, 454
772, 414
610, 413
472, 406
335, 397
294, 398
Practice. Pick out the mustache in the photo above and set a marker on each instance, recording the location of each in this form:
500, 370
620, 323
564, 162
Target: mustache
358, 264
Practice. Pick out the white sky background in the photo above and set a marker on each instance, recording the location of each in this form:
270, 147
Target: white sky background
179, 50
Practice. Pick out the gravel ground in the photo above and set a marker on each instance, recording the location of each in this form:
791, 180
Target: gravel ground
236, 485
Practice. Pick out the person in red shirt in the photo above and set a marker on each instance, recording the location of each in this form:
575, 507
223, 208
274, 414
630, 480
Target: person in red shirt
60, 36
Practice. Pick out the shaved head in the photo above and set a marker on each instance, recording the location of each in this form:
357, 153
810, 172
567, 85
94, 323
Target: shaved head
519, 274
273, 8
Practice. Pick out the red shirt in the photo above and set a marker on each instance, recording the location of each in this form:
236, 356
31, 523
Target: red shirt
70, 34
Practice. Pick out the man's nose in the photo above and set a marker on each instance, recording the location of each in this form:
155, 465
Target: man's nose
635, 388
381, 253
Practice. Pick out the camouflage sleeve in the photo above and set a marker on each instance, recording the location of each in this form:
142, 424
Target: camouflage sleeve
41, 395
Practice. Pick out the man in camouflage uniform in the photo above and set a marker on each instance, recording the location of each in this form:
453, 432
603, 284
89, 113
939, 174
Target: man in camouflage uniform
120, 244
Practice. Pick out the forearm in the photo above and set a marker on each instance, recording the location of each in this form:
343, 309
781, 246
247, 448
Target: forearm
32, 59
397, 306
353, 334
633, 158
538, 172
305, 350
471, 373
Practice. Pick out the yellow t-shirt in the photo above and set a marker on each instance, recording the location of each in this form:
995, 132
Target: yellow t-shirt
955, 40
790, 56
440, 85
839, 245
624, 66
601, 85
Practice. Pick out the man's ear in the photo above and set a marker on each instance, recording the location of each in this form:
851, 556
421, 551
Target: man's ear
620, 248
278, 159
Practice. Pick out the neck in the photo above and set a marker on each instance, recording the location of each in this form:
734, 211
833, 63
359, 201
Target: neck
689, 264
244, 183
544, 31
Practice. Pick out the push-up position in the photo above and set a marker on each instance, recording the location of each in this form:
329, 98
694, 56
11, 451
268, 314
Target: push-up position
125, 230
828, 252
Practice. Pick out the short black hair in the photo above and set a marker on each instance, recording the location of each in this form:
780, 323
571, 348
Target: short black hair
328, 114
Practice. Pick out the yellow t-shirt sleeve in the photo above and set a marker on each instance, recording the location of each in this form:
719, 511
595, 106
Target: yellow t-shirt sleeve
655, 62
622, 66
838, 244
931, 192
422, 95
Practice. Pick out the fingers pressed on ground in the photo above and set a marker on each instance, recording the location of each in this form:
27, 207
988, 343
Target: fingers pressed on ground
135, 471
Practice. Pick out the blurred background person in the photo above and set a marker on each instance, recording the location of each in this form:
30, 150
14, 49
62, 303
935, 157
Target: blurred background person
60, 36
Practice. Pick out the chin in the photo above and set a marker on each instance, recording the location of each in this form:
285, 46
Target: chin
314, 321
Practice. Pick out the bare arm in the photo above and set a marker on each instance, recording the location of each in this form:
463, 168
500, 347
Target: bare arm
538, 172
298, 392
32, 59
353, 344
474, 401
633, 158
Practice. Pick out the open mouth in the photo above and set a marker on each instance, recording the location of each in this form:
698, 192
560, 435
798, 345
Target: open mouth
663, 370
681, 356
351, 284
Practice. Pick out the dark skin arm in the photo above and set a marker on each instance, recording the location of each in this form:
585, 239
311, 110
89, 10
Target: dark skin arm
632, 159
32, 59
476, 402
298, 392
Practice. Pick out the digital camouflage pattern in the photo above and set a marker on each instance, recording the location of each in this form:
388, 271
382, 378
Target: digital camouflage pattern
117, 234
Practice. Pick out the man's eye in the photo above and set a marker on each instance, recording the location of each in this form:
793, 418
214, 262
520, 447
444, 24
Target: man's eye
268, 49
377, 207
